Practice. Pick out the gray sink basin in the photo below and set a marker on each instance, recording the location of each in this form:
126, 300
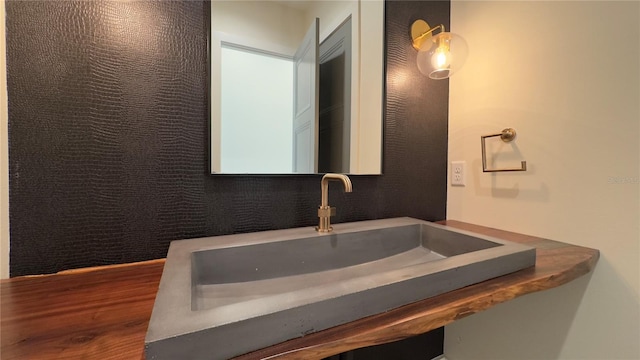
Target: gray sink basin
224, 296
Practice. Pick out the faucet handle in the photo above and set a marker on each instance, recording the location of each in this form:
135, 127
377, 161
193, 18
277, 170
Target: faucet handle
326, 211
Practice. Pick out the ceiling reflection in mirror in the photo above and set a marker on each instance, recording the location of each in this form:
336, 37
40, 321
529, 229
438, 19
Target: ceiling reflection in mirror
296, 87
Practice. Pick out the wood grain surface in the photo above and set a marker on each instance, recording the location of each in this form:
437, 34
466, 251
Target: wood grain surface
99, 314
103, 313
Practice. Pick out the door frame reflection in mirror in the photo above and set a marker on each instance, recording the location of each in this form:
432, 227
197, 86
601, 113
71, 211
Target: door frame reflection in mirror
366, 77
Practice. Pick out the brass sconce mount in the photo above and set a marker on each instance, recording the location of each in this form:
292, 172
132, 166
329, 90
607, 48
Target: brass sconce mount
508, 134
422, 32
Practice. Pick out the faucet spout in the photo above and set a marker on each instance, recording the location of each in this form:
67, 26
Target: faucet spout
324, 186
325, 211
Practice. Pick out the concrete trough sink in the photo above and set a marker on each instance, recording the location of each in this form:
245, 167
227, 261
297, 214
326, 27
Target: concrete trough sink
224, 296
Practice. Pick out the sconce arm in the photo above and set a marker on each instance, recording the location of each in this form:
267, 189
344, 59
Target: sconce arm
428, 32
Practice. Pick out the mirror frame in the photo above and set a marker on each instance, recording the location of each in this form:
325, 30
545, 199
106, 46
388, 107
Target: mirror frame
366, 98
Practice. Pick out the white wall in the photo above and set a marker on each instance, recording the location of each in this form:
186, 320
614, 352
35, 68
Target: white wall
566, 76
4, 154
331, 14
264, 22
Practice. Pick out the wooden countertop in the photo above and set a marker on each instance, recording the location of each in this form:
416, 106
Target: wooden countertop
103, 313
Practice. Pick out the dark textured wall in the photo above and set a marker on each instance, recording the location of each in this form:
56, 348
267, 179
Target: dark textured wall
108, 137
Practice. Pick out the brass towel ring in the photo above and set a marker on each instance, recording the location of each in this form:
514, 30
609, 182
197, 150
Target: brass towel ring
507, 135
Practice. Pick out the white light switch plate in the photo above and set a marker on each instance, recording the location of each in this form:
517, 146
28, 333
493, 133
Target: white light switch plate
458, 173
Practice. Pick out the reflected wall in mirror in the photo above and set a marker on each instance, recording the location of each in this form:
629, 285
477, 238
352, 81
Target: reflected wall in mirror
296, 86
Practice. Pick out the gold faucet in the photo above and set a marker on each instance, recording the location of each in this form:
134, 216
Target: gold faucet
325, 212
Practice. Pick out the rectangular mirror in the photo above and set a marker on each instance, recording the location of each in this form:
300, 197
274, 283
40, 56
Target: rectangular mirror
296, 86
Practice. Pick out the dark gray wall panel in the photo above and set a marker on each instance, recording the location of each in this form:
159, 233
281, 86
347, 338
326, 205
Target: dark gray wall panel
108, 137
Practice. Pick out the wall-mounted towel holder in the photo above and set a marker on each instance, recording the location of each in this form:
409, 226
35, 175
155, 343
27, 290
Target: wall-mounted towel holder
507, 135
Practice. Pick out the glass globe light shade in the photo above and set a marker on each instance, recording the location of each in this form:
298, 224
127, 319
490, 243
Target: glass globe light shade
442, 55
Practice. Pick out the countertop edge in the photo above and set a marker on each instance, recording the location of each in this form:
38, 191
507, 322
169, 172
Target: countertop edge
80, 312
435, 312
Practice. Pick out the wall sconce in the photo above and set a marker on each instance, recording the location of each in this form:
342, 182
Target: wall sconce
441, 55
